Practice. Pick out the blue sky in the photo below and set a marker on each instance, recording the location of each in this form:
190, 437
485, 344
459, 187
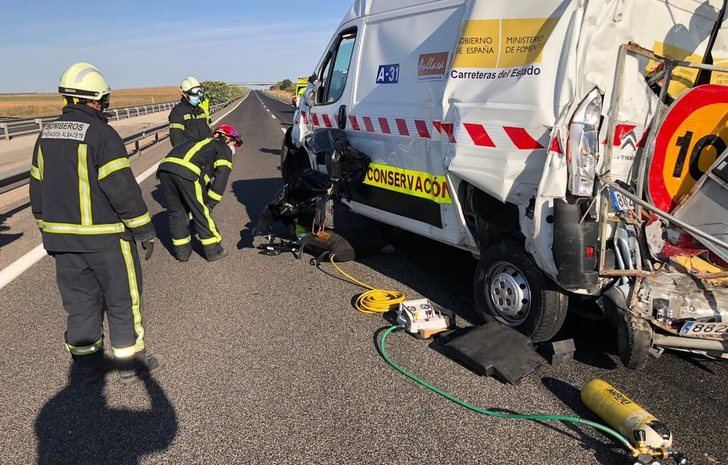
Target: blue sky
138, 43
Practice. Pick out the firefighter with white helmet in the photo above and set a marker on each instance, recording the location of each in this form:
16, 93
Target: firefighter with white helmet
189, 120
90, 211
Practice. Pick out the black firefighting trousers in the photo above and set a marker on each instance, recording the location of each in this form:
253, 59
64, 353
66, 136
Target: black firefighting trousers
185, 198
92, 283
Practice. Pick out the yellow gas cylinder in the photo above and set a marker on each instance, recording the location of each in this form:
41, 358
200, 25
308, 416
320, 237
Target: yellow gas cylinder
624, 415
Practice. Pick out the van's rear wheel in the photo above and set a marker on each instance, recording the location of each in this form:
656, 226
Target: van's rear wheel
634, 340
509, 287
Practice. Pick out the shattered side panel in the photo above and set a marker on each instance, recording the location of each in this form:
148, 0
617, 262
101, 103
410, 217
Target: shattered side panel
606, 25
506, 86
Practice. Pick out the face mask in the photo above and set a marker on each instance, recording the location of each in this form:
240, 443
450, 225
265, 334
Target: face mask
194, 100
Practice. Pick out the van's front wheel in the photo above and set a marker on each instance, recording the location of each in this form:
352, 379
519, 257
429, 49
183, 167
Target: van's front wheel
509, 286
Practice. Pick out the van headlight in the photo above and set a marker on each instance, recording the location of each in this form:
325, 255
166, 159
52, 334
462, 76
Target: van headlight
582, 151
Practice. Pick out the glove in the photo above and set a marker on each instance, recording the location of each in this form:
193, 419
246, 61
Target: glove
148, 245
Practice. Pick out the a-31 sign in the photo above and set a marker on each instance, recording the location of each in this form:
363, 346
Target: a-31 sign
388, 74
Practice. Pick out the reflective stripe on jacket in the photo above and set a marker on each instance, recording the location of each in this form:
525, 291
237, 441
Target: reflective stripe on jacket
188, 123
83, 193
209, 160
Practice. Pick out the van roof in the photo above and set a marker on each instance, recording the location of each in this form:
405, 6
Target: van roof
370, 7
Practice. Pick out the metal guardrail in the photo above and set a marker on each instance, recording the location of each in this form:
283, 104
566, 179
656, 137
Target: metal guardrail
18, 127
21, 176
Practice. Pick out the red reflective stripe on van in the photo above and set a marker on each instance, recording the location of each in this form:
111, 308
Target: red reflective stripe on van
315, 119
402, 127
305, 117
368, 124
479, 135
354, 123
327, 121
555, 146
438, 126
384, 124
521, 138
449, 129
422, 129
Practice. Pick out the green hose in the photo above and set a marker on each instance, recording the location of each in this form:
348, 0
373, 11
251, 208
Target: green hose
491, 413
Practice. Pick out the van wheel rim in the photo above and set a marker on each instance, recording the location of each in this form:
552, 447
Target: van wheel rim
507, 293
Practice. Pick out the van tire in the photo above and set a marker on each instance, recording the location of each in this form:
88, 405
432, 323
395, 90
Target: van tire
286, 146
294, 160
634, 340
546, 305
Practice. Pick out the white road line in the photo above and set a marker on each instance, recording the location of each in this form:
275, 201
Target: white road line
273, 116
24, 263
20, 265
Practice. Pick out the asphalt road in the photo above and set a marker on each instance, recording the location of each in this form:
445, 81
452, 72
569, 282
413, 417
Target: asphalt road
267, 362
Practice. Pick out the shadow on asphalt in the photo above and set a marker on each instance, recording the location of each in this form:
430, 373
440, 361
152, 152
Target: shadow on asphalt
77, 426
271, 151
8, 238
254, 194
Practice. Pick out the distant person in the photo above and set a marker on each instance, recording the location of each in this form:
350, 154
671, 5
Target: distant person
189, 120
300, 127
193, 178
90, 211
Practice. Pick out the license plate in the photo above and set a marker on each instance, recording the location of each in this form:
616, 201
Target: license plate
620, 201
705, 330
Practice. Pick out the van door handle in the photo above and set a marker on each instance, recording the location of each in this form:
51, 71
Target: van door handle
342, 117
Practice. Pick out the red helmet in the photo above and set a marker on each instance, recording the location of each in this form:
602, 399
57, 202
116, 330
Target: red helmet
228, 132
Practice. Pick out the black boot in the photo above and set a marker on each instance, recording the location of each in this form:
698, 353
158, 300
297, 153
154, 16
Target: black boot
183, 253
138, 368
89, 369
215, 254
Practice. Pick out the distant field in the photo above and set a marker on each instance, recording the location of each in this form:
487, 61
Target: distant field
281, 94
31, 105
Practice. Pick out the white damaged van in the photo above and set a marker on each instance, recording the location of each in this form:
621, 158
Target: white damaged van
558, 141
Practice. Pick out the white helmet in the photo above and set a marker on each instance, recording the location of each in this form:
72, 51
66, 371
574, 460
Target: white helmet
83, 80
189, 83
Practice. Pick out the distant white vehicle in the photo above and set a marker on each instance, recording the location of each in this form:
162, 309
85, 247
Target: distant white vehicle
523, 131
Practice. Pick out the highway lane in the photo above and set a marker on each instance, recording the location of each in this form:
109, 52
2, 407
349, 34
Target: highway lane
268, 363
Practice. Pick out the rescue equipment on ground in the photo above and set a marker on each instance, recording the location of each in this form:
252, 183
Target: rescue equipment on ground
493, 349
374, 300
305, 200
650, 436
422, 317
652, 440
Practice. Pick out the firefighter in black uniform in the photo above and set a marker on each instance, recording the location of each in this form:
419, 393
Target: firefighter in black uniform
189, 120
193, 178
90, 211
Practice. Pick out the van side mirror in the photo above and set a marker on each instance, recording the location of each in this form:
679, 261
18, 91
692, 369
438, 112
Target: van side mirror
342, 117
